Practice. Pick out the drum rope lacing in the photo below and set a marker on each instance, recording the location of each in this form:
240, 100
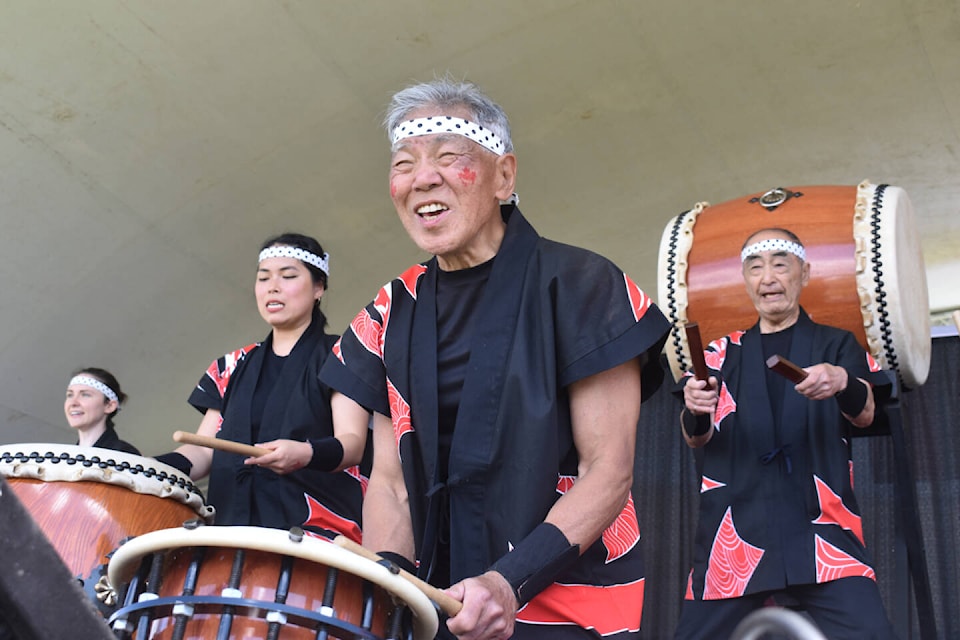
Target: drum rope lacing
885, 330
671, 293
52, 458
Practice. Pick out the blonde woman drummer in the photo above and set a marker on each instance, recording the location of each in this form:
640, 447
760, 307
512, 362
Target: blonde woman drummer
93, 399
268, 394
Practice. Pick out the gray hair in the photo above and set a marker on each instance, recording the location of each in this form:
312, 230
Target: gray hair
786, 232
446, 93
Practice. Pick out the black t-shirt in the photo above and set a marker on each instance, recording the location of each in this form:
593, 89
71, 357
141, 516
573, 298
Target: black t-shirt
458, 296
269, 374
777, 343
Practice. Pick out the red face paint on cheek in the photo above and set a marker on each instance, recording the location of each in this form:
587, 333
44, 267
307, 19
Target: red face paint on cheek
393, 190
467, 175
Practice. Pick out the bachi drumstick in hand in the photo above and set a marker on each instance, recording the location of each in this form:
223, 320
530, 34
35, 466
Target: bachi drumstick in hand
695, 344
787, 369
229, 446
447, 604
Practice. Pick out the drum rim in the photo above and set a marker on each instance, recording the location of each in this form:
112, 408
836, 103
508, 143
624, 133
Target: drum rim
885, 324
126, 559
675, 243
26, 459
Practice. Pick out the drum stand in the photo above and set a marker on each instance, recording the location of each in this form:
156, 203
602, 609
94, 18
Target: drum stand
39, 599
909, 552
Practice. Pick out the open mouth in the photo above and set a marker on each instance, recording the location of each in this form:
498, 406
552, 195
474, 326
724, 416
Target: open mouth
431, 210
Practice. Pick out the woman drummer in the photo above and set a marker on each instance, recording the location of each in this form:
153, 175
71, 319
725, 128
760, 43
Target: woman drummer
93, 399
268, 394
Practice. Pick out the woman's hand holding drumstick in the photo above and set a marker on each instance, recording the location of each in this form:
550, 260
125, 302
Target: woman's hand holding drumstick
286, 456
448, 605
229, 446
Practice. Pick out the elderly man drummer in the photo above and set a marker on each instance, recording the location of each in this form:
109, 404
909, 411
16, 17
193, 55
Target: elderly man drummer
776, 486
505, 379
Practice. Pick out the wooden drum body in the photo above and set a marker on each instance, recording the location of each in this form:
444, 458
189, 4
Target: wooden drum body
867, 273
252, 582
88, 500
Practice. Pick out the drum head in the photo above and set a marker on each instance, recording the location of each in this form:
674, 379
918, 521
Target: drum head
892, 282
69, 463
127, 558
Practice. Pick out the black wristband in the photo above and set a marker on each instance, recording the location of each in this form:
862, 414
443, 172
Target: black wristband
853, 399
695, 424
534, 563
327, 454
176, 460
399, 560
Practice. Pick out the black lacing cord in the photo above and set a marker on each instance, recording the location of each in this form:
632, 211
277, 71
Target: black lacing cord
672, 310
884, 318
96, 461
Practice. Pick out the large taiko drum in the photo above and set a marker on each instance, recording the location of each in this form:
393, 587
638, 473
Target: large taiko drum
867, 273
88, 500
251, 582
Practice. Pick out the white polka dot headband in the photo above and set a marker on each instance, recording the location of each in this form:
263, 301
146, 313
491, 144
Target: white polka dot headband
773, 244
449, 124
300, 254
96, 384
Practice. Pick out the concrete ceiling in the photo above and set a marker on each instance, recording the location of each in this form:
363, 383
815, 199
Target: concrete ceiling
147, 148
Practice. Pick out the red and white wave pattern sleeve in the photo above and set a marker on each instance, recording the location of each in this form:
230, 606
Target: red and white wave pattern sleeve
725, 406
716, 351
371, 332
833, 564
399, 413
833, 511
221, 376
320, 516
639, 301
732, 562
706, 484
623, 534
368, 332
410, 277
715, 354
565, 483
608, 610
354, 471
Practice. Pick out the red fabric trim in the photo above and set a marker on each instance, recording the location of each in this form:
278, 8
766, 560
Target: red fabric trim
322, 517
607, 610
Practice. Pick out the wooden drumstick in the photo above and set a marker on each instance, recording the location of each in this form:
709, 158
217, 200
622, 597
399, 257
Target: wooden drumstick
787, 369
695, 345
956, 320
216, 443
448, 605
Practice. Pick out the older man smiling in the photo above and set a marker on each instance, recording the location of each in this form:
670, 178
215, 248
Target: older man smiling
505, 379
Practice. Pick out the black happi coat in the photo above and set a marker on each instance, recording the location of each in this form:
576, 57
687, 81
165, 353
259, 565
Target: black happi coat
777, 506
110, 440
550, 315
298, 408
